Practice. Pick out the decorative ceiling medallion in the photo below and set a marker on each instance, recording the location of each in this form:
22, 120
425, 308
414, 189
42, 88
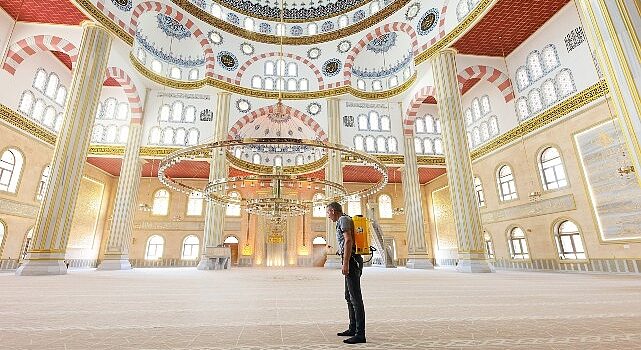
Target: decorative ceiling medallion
206, 115
428, 21
122, 5
215, 37
327, 26
296, 30
247, 48
293, 13
412, 11
227, 60
332, 66
265, 28
171, 27
314, 53
200, 3
233, 18
383, 43
344, 46
359, 15
243, 106
313, 108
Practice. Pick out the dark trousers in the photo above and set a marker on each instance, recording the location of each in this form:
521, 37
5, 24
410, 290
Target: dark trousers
354, 297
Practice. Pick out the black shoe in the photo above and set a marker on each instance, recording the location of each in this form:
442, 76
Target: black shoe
355, 340
347, 333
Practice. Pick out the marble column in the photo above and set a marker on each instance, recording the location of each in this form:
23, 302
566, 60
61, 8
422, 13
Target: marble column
613, 29
117, 250
471, 250
333, 172
416, 243
51, 233
214, 213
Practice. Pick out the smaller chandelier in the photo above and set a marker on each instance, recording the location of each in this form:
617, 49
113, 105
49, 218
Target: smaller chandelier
398, 211
279, 116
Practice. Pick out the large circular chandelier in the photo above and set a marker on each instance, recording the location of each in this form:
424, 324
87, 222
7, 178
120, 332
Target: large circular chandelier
275, 203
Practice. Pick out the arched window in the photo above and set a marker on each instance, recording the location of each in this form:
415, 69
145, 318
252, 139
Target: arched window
49, 118
393, 81
485, 105
370, 144
549, 93
312, 29
155, 246
269, 84
256, 158
428, 146
292, 84
407, 72
195, 204
565, 83
156, 66
257, 82
180, 137
231, 240
535, 101
26, 102
190, 114
418, 145
111, 134
438, 146
44, 182
142, 56
385, 123
216, 11
478, 189
385, 206
476, 137
303, 84
98, 133
534, 67
518, 245
292, 69
3, 229
377, 85
462, 9
381, 144
489, 246
26, 244
437, 125
468, 117
485, 132
175, 73
161, 203
360, 84
191, 246
10, 168
551, 168
469, 140
550, 58
354, 206
419, 125
177, 111
319, 206
374, 7
522, 109
123, 111
40, 80
192, 137
58, 125
249, 24
280, 84
392, 145
476, 109
38, 110
494, 126
343, 21
233, 209
52, 85
359, 143
507, 186
110, 108
278, 161
363, 123
154, 135
300, 160
373, 121
568, 241
429, 123
61, 95
269, 68
165, 111
280, 29
522, 79
123, 132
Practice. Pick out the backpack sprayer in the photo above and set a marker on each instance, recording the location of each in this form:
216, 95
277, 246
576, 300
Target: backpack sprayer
361, 236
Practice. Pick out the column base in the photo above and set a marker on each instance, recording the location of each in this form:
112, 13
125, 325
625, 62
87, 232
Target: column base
215, 258
419, 262
333, 262
115, 264
42, 265
474, 263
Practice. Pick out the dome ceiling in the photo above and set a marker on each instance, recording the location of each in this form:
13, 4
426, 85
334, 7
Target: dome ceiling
294, 11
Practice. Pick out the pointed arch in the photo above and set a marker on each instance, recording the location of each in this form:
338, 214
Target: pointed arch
201, 37
129, 87
250, 117
427, 92
361, 44
30, 46
490, 74
303, 60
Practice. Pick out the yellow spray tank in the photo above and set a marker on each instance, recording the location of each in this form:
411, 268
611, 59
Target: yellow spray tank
361, 235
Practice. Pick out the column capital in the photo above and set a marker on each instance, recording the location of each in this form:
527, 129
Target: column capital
449, 50
223, 93
91, 24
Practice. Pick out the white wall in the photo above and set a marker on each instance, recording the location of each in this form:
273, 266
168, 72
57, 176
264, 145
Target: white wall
355, 108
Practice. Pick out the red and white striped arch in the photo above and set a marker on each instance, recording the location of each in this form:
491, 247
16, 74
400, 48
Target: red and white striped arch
303, 60
112, 16
360, 45
201, 37
441, 28
129, 87
412, 110
26, 47
490, 74
263, 111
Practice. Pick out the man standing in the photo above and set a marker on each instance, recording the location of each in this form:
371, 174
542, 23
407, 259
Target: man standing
352, 270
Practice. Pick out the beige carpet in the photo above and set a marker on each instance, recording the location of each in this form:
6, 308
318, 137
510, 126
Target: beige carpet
296, 308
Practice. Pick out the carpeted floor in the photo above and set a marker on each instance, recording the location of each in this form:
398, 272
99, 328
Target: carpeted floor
297, 308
